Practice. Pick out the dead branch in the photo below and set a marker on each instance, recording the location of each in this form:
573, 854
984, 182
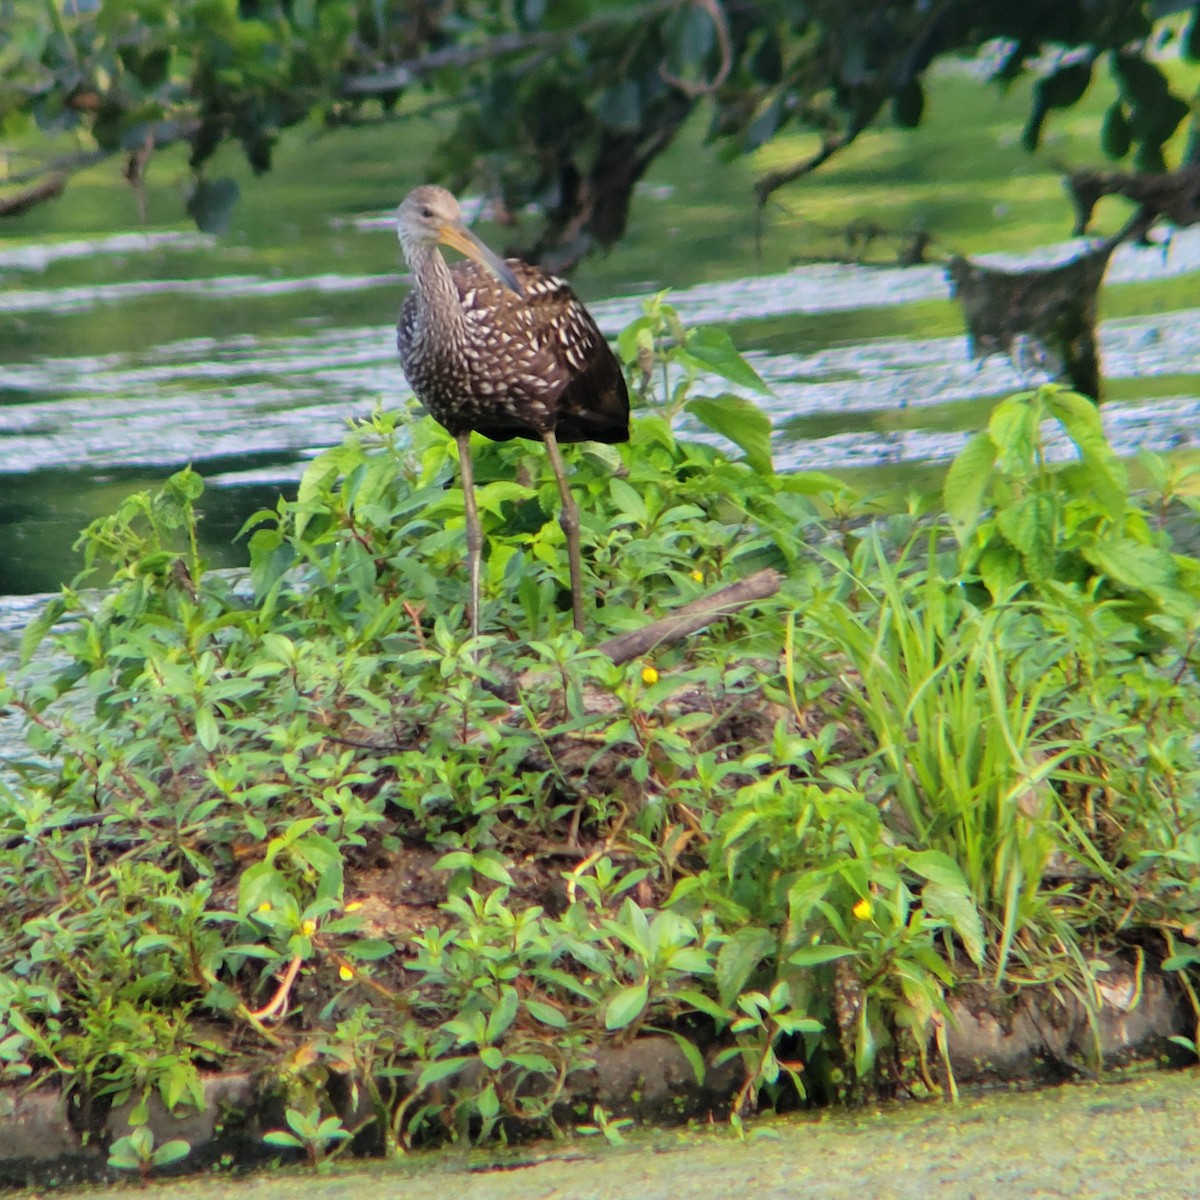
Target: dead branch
1173, 195
65, 164
772, 181
693, 616
31, 197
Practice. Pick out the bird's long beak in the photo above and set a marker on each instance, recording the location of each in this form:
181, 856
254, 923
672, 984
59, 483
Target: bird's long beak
460, 238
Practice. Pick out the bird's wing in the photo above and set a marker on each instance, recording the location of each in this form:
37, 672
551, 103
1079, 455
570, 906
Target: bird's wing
594, 403
551, 357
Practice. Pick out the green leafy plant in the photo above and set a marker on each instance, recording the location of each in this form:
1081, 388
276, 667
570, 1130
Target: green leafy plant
1058, 520
784, 842
136, 1151
660, 345
606, 1126
310, 1132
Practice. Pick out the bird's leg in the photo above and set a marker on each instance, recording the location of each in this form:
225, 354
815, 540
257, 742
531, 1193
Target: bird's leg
474, 530
570, 525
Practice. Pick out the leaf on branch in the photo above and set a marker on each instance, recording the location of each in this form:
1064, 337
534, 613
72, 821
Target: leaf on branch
211, 204
742, 422
967, 481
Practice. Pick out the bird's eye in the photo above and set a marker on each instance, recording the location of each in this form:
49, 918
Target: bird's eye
427, 212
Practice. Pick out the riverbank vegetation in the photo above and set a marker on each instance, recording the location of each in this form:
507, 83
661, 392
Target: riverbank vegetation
296, 822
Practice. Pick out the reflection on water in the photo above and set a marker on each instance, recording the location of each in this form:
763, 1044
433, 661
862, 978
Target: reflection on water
255, 389
39, 257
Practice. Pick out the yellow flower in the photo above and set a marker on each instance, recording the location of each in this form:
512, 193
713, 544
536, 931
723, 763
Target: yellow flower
863, 909
308, 927
698, 576
353, 906
265, 906
345, 974
649, 675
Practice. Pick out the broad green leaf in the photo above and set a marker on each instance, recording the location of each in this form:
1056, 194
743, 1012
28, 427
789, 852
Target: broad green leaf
207, 733
864, 1042
766, 123
626, 1006
689, 34
1103, 472
814, 956
628, 501
1000, 569
280, 648
1013, 430
488, 1102
170, 1152
280, 1137
1181, 959
369, 949
270, 557
955, 906
813, 483
1079, 416
35, 632
742, 422
318, 851
262, 885
491, 865
1116, 137
1098, 477
701, 1003
712, 349
637, 335
938, 868
492, 496
739, 957
547, 1014
1134, 564
1029, 526
532, 1062
967, 482
1065, 86
692, 1054
319, 476
211, 204
434, 1072
185, 486
505, 1012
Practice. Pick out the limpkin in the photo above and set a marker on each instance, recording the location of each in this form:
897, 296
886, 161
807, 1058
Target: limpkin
503, 349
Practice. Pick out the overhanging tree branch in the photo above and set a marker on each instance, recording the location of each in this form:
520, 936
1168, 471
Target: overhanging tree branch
504, 45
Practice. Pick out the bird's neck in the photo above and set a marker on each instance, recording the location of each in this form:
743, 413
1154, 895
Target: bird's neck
437, 297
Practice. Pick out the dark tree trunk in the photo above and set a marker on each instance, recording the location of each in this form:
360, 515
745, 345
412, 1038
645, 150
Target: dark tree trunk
593, 208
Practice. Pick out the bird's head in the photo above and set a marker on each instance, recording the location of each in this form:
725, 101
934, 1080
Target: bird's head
430, 216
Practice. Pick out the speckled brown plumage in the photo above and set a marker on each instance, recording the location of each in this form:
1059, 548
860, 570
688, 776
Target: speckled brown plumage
514, 367
502, 349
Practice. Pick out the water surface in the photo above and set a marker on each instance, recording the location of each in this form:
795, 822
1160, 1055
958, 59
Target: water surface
125, 355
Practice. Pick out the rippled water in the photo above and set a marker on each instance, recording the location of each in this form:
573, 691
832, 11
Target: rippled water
256, 388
